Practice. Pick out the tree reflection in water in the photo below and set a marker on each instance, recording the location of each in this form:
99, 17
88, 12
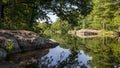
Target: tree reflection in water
104, 52
63, 58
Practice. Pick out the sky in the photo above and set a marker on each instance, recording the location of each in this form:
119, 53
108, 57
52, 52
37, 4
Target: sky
52, 17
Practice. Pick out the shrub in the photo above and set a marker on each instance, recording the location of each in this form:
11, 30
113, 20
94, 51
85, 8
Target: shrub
9, 46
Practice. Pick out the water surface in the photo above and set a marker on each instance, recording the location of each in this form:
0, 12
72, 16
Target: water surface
75, 52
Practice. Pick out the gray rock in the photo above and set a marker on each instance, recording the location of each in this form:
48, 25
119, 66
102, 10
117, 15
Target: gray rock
3, 54
24, 40
5, 40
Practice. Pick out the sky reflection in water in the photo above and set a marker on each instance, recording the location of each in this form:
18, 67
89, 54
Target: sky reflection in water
58, 55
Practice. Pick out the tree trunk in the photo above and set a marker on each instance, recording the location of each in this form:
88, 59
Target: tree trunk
0, 10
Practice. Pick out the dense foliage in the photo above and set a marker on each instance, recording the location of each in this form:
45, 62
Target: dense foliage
105, 15
24, 13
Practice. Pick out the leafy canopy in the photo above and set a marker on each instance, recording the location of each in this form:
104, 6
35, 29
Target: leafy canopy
22, 12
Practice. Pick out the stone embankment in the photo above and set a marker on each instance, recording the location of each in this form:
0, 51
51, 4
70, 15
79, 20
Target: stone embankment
16, 41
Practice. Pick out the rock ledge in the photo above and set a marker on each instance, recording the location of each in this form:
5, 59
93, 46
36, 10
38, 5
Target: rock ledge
22, 40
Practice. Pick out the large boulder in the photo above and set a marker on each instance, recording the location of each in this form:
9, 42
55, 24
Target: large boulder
7, 42
15, 41
3, 54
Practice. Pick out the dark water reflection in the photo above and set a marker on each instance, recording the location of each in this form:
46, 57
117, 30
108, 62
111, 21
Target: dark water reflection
75, 52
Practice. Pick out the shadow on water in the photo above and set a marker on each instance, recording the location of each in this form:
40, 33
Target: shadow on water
75, 52
27, 59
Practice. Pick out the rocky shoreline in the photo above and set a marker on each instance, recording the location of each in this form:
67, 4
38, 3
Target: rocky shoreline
17, 41
117, 33
89, 33
84, 33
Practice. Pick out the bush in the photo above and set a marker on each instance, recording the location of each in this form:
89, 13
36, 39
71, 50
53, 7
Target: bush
9, 46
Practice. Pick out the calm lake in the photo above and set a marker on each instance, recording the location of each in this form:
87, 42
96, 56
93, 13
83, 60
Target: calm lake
76, 52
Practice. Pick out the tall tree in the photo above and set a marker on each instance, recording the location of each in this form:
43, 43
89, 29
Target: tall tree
28, 11
0, 9
105, 14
